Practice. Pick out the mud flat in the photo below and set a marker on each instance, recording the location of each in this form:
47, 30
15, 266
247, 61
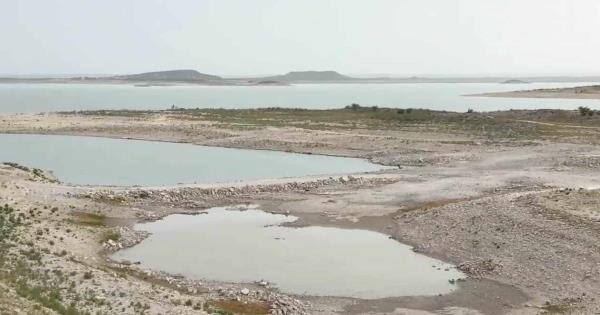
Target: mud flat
510, 198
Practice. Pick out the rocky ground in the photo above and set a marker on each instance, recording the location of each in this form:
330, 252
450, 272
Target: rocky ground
512, 203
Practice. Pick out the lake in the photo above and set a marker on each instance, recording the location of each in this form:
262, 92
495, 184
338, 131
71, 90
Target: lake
251, 245
102, 161
33, 98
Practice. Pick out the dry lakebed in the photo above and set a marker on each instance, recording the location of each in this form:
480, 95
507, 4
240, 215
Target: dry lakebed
292, 211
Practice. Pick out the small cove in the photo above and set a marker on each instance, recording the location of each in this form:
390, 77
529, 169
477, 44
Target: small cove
102, 161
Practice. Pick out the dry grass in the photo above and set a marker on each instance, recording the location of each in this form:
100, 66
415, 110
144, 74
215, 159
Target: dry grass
89, 219
238, 307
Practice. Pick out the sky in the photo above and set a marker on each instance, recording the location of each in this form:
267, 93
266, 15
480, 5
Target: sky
242, 37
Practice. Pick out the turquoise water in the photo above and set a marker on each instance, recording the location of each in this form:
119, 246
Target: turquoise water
101, 161
247, 246
29, 98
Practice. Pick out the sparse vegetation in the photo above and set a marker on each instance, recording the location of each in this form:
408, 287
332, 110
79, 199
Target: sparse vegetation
18, 269
32, 254
38, 172
354, 116
8, 223
49, 298
17, 166
35, 172
110, 236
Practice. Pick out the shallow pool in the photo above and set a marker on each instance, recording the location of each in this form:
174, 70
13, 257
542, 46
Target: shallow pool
251, 245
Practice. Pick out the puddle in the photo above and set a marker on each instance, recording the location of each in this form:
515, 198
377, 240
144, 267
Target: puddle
102, 161
247, 246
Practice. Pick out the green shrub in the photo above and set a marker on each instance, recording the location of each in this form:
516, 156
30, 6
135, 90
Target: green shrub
8, 223
88, 275
585, 111
353, 106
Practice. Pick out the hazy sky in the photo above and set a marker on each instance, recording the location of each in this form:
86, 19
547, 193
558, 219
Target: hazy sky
230, 37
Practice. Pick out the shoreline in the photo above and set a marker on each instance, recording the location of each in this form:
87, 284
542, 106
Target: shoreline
202, 145
591, 92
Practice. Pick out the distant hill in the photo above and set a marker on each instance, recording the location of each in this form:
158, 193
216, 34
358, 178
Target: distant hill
514, 81
309, 76
171, 75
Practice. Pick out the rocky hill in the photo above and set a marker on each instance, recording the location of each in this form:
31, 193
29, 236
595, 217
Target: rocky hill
309, 76
171, 75
514, 81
